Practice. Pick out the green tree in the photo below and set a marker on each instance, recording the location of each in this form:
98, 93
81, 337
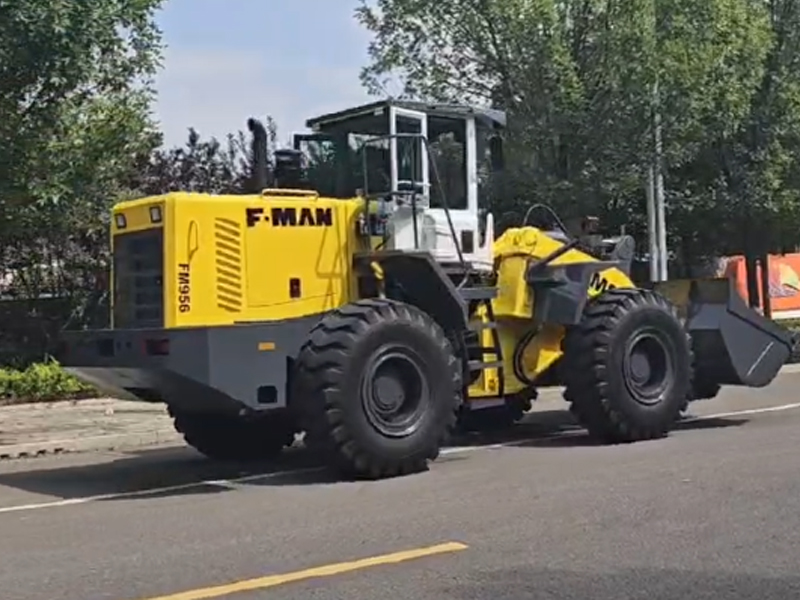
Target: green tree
75, 100
747, 178
74, 121
207, 166
577, 78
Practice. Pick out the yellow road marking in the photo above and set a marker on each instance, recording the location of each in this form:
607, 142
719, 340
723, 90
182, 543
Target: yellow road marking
260, 583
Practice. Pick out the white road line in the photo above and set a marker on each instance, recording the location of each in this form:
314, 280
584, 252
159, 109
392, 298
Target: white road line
159, 490
741, 413
233, 482
538, 438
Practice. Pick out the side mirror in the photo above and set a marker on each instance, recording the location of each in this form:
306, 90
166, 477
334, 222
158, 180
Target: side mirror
496, 153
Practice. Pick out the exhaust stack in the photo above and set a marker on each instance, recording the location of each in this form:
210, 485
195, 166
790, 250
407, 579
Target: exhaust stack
260, 169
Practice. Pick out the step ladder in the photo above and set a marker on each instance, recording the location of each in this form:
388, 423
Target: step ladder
484, 296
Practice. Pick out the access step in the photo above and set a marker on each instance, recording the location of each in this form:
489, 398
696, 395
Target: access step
483, 326
487, 350
479, 365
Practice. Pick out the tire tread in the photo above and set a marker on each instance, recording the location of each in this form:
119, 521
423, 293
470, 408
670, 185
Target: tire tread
321, 362
585, 350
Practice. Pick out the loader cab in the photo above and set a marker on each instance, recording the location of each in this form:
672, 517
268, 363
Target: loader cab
392, 151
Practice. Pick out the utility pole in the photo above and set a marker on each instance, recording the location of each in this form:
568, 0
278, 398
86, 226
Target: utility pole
661, 212
656, 213
656, 210
652, 236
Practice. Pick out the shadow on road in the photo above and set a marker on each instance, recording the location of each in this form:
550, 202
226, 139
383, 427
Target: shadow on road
542, 423
181, 471
577, 437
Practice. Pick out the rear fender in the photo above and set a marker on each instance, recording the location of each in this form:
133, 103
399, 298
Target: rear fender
423, 283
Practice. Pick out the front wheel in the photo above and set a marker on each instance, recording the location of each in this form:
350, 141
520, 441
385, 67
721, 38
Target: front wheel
627, 366
377, 386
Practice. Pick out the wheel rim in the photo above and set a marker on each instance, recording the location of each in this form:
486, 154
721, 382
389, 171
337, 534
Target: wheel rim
648, 367
394, 391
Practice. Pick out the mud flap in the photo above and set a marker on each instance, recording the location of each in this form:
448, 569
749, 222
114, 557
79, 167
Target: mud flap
733, 344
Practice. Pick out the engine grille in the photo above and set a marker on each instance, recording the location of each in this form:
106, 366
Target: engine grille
228, 248
139, 279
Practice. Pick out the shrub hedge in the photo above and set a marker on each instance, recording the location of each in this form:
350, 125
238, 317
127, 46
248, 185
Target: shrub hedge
41, 382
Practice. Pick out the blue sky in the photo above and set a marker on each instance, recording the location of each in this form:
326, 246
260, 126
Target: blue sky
227, 60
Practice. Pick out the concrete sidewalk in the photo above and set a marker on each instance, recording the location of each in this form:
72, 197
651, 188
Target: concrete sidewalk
28, 430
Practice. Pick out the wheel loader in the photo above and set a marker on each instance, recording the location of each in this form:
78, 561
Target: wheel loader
362, 299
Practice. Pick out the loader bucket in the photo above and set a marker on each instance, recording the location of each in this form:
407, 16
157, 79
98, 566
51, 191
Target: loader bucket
733, 344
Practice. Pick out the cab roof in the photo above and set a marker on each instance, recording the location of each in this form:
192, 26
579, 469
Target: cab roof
495, 119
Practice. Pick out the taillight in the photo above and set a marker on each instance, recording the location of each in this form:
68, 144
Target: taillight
156, 347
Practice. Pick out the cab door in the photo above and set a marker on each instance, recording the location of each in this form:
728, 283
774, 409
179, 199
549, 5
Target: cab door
409, 157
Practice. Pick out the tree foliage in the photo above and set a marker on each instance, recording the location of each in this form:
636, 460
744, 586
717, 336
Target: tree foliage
75, 96
580, 80
743, 182
208, 166
57, 59
74, 120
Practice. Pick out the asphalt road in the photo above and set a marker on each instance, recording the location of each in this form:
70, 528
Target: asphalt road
713, 511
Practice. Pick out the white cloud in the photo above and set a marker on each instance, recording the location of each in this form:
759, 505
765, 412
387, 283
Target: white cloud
216, 90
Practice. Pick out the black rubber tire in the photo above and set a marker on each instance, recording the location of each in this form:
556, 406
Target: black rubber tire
226, 438
700, 388
704, 390
597, 385
335, 410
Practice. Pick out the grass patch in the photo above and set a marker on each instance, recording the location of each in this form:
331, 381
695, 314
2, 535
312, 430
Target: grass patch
793, 324
41, 382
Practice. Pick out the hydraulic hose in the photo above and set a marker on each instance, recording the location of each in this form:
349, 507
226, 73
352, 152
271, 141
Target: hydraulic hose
519, 352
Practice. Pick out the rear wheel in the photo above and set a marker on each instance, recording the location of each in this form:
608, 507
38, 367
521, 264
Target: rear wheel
377, 387
223, 437
702, 388
627, 366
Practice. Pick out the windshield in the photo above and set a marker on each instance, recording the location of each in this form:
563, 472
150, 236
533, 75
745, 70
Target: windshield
335, 158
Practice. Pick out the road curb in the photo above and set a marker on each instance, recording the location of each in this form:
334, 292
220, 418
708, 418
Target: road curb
117, 441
